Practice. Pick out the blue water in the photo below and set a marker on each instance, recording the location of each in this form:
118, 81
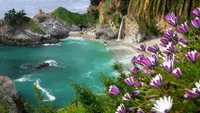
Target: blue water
31, 7
74, 59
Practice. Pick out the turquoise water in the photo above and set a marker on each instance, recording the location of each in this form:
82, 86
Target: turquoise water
74, 59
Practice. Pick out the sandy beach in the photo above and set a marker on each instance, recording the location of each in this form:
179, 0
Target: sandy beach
122, 51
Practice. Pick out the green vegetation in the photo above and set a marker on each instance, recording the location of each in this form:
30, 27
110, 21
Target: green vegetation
20, 21
4, 106
34, 27
41, 107
15, 18
106, 4
150, 29
69, 17
93, 15
72, 108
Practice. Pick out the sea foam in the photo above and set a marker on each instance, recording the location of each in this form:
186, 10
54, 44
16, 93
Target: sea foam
50, 97
52, 63
56, 44
24, 78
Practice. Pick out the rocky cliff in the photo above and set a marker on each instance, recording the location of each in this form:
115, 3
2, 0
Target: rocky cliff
148, 17
144, 19
10, 96
53, 28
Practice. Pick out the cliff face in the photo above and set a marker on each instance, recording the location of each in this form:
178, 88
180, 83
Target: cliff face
155, 10
145, 18
149, 15
10, 94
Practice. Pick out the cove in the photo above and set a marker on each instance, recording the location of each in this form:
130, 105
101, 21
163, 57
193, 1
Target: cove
74, 59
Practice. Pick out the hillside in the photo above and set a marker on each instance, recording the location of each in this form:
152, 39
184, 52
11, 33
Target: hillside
70, 17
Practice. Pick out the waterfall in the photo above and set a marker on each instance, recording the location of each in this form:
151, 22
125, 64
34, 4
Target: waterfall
120, 29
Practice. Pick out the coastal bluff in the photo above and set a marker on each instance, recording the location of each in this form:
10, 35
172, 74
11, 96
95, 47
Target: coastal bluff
10, 96
53, 29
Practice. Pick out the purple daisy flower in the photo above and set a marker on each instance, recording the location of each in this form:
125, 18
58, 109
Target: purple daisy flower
121, 109
135, 92
192, 56
173, 21
157, 81
126, 97
135, 70
177, 72
183, 28
142, 47
153, 49
146, 62
130, 81
196, 12
169, 16
168, 63
196, 22
183, 40
194, 93
114, 90
171, 48
137, 59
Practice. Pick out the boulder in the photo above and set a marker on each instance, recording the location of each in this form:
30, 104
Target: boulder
103, 31
132, 32
9, 93
75, 28
42, 65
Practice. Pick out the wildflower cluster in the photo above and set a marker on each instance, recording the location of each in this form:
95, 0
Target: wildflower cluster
164, 81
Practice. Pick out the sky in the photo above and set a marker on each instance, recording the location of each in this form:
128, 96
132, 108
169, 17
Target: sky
31, 7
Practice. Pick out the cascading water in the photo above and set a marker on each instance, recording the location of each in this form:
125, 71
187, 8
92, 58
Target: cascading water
120, 29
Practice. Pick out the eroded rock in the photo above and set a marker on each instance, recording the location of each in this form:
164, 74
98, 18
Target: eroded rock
9, 93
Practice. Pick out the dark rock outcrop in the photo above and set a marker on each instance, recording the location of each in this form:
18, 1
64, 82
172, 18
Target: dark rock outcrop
13, 36
9, 93
42, 65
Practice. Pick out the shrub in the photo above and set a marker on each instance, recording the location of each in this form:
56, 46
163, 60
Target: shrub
15, 18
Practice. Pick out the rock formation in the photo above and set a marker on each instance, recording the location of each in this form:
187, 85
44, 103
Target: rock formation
104, 31
13, 36
9, 93
51, 25
54, 29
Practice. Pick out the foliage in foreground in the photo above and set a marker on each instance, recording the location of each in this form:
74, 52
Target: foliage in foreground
168, 80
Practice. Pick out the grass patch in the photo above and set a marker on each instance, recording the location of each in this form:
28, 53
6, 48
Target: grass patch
106, 4
33, 26
70, 17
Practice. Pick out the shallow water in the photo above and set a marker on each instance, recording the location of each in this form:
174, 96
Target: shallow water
74, 59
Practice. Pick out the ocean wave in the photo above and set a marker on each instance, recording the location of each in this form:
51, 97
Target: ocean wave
52, 63
25, 78
77, 42
25, 66
50, 97
56, 44
75, 38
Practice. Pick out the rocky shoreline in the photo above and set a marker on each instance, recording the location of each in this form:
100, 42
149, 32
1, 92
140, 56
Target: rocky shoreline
12, 98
